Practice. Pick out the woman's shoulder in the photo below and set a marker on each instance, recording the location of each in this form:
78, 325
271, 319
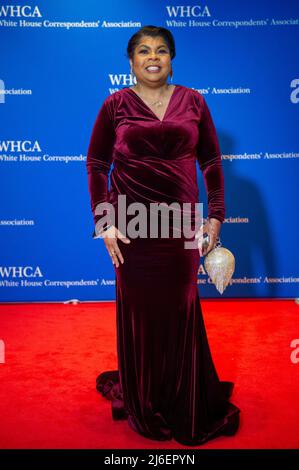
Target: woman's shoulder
193, 94
110, 102
115, 98
110, 99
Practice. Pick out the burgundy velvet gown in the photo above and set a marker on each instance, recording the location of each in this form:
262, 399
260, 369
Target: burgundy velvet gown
166, 384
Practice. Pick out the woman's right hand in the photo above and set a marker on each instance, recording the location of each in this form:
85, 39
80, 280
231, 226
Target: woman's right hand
110, 237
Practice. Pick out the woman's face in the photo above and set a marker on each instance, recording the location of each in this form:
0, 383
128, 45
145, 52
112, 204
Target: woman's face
151, 52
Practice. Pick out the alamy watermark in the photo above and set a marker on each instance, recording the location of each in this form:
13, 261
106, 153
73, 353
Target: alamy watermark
2, 352
295, 353
184, 219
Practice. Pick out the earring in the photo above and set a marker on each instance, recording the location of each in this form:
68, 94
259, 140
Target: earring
171, 77
133, 76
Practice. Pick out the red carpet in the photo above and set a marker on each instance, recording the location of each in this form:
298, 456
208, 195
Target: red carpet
53, 353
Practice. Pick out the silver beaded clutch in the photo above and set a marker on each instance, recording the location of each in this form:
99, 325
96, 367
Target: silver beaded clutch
219, 263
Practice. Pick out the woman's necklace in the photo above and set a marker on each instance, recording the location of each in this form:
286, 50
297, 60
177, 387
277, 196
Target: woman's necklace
155, 103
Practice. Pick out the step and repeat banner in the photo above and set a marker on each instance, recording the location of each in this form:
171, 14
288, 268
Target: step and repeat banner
60, 59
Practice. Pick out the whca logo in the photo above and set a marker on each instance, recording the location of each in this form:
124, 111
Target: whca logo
20, 11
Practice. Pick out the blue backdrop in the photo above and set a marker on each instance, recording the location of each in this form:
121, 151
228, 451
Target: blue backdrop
60, 59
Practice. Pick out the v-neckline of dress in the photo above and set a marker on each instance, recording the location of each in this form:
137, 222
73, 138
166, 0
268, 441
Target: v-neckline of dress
151, 111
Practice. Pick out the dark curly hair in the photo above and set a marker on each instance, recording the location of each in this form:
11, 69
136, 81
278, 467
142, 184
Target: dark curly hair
153, 31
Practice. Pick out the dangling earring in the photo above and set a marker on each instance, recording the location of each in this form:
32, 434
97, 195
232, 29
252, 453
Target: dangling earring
171, 77
133, 76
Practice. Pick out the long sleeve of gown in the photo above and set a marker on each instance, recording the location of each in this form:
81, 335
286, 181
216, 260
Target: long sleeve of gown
99, 159
209, 159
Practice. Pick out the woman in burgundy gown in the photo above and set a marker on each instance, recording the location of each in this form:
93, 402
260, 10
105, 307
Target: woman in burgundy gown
166, 384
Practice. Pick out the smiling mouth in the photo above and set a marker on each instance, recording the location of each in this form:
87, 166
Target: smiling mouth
153, 68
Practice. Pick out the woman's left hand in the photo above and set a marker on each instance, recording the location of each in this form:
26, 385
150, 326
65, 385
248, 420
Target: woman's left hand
212, 227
